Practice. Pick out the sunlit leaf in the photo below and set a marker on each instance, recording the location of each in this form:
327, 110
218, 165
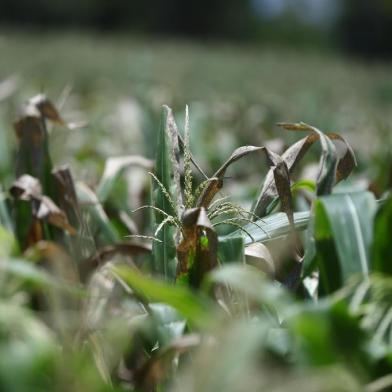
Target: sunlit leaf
272, 226
343, 231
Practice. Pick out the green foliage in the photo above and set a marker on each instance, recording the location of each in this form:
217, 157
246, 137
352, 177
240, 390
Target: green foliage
163, 251
343, 230
224, 298
381, 249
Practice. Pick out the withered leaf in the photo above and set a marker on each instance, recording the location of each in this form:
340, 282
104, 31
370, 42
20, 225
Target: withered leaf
26, 187
108, 252
197, 252
29, 188
293, 155
214, 186
46, 108
173, 133
66, 192
258, 255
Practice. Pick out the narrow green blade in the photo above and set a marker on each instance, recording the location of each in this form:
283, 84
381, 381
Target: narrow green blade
270, 227
343, 231
164, 252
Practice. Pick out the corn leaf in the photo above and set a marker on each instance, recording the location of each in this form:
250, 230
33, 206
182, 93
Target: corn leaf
113, 169
294, 154
164, 252
270, 227
194, 308
343, 232
382, 250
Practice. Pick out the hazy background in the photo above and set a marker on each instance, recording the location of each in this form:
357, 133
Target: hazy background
357, 26
241, 65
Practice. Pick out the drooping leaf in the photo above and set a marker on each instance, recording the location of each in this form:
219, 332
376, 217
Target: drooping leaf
98, 219
328, 159
216, 181
113, 169
194, 308
33, 150
28, 188
108, 252
46, 108
293, 155
258, 255
29, 273
343, 231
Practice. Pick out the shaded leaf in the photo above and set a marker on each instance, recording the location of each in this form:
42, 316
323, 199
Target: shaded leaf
113, 169
259, 256
108, 252
249, 281
99, 220
231, 250
190, 306
381, 249
156, 369
5, 218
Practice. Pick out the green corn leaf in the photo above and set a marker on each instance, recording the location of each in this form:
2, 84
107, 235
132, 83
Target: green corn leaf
5, 219
270, 227
194, 308
231, 249
343, 231
164, 253
382, 250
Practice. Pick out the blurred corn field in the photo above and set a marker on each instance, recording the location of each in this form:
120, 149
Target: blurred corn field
147, 245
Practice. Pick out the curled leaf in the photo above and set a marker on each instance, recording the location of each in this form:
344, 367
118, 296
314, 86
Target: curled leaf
28, 188
197, 252
258, 255
216, 182
114, 167
293, 155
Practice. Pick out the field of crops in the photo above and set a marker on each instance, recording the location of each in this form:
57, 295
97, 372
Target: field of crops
193, 217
